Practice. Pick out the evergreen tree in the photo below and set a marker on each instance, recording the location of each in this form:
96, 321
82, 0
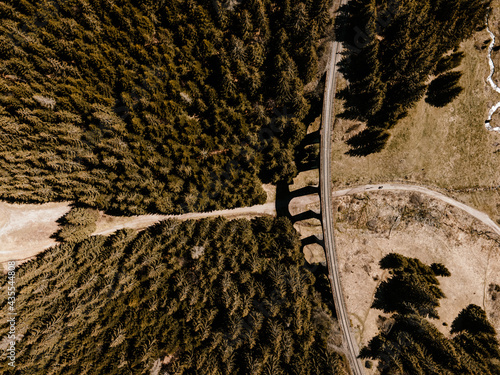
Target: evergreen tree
443, 89
186, 293
390, 50
99, 102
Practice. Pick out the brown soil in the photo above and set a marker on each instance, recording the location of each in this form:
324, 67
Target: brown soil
108, 224
446, 147
369, 225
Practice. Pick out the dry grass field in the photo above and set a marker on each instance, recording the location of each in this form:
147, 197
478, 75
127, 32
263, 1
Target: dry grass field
446, 148
369, 226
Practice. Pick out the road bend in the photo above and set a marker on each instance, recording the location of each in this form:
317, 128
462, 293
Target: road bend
349, 341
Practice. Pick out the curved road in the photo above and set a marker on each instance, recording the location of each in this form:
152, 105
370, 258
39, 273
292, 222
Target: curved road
350, 344
481, 216
327, 220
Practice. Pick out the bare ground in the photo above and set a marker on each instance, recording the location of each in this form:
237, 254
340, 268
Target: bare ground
108, 224
25, 229
448, 148
373, 224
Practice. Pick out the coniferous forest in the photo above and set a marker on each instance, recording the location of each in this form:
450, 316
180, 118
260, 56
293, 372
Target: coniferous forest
195, 297
77, 224
138, 106
392, 48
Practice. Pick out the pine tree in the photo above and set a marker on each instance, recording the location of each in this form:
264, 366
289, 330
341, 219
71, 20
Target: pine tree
443, 89
477, 338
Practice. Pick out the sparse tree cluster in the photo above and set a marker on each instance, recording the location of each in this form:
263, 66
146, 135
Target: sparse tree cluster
410, 344
391, 49
77, 224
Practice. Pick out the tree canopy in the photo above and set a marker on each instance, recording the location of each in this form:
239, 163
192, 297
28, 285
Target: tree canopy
411, 344
141, 106
195, 297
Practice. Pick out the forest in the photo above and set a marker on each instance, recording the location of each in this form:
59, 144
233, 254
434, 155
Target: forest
197, 297
136, 106
410, 343
392, 49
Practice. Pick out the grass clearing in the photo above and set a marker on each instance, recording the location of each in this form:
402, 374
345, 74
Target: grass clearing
445, 148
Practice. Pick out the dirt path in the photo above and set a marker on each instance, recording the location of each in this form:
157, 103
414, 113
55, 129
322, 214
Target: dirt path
109, 224
25, 230
481, 216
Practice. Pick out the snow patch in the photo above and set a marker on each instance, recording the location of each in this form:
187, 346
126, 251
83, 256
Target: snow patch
490, 80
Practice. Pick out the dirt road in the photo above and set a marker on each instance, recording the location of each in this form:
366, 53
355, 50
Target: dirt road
25, 229
109, 224
481, 216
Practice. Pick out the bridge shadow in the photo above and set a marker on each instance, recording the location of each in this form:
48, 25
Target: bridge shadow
311, 139
306, 190
309, 166
314, 239
284, 197
306, 215
307, 156
307, 152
